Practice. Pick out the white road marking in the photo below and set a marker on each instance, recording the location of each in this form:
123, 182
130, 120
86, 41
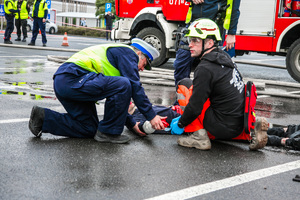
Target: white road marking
22, 56
14, 120
86, 44
198, 190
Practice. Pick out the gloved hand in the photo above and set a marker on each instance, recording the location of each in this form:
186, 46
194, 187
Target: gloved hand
175, 130
177, 109
165, 123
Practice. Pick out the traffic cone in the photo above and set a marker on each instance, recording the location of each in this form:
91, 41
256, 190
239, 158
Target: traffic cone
65, 40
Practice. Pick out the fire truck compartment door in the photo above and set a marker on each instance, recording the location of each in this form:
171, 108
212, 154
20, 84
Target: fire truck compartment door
256, 17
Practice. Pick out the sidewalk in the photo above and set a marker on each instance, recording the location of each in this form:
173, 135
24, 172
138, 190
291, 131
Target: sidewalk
54, 42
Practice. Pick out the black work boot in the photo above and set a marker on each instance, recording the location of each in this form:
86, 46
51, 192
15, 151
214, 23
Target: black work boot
31, 44
18, 39
7, 42
109, 138
24, 39
36, 120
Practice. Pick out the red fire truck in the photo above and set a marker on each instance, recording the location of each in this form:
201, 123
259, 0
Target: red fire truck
270, 26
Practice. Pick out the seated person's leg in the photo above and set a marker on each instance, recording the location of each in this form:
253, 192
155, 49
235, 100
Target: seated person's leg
292, 129
274, 140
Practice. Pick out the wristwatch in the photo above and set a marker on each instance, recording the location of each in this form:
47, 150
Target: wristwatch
180, 125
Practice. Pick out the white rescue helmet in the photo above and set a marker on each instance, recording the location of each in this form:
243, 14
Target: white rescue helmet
204, 28
147, 49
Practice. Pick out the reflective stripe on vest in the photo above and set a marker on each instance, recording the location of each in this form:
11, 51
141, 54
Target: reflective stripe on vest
42, 7
23, 11
189, 14
94, 59
10, 5
227, 20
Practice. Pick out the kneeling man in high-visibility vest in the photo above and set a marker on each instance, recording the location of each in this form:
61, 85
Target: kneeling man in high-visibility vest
110, 72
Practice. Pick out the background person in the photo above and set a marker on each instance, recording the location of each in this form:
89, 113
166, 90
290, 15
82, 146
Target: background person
39, 16
21, 19
10, 10
83, 22
109, 17
99, 72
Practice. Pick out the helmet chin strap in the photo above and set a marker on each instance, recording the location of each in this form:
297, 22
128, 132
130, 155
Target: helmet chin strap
205, 50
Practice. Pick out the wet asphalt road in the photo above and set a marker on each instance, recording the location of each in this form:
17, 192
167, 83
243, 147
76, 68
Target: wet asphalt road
53, 167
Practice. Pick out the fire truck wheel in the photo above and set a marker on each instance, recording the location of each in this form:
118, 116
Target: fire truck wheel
155, 37
293, 60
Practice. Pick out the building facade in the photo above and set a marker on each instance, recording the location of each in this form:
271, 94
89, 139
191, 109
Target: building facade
71, 12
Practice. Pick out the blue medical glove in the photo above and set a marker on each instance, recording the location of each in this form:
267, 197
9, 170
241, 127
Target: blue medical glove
175, 130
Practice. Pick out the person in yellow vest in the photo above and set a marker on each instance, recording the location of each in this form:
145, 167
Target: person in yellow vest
39, 16
10, 10
21, 19
110, 72
214, 10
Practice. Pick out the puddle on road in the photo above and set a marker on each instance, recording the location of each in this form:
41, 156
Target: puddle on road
30, 95
277, 107
160, 95
277, 110
27, 90
280, 110
16, 77
24, 66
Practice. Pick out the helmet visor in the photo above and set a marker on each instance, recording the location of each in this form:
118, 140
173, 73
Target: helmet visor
194, 40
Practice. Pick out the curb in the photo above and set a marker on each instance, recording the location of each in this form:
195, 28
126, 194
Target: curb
259, 64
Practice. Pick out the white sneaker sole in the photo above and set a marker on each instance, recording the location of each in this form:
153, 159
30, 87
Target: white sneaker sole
202, 145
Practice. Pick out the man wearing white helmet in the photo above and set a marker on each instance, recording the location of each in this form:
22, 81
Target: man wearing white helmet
218, 11
99, 72
214, 101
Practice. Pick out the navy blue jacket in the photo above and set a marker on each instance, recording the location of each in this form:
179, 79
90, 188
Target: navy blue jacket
126, 61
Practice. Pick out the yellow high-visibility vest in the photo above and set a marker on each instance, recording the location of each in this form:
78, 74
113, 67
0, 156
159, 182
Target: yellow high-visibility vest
23, 11
42, 7
94, 59
10, 5
227, 20
189, 14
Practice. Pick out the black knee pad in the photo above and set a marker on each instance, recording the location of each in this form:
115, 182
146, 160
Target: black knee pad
187, 82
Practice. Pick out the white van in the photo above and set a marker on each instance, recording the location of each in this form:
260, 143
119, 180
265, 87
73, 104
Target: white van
51, 28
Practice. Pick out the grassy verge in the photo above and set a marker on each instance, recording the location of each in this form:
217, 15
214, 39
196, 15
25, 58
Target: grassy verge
95, 32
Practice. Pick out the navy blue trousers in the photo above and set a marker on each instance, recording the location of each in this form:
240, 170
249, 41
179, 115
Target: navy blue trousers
182, 64
38, 24
78, 95
9, 27
108, 33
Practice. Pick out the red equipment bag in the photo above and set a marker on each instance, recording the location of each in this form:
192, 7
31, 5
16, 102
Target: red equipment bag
250, 101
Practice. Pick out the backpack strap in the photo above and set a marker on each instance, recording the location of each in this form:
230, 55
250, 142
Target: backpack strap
250, 102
